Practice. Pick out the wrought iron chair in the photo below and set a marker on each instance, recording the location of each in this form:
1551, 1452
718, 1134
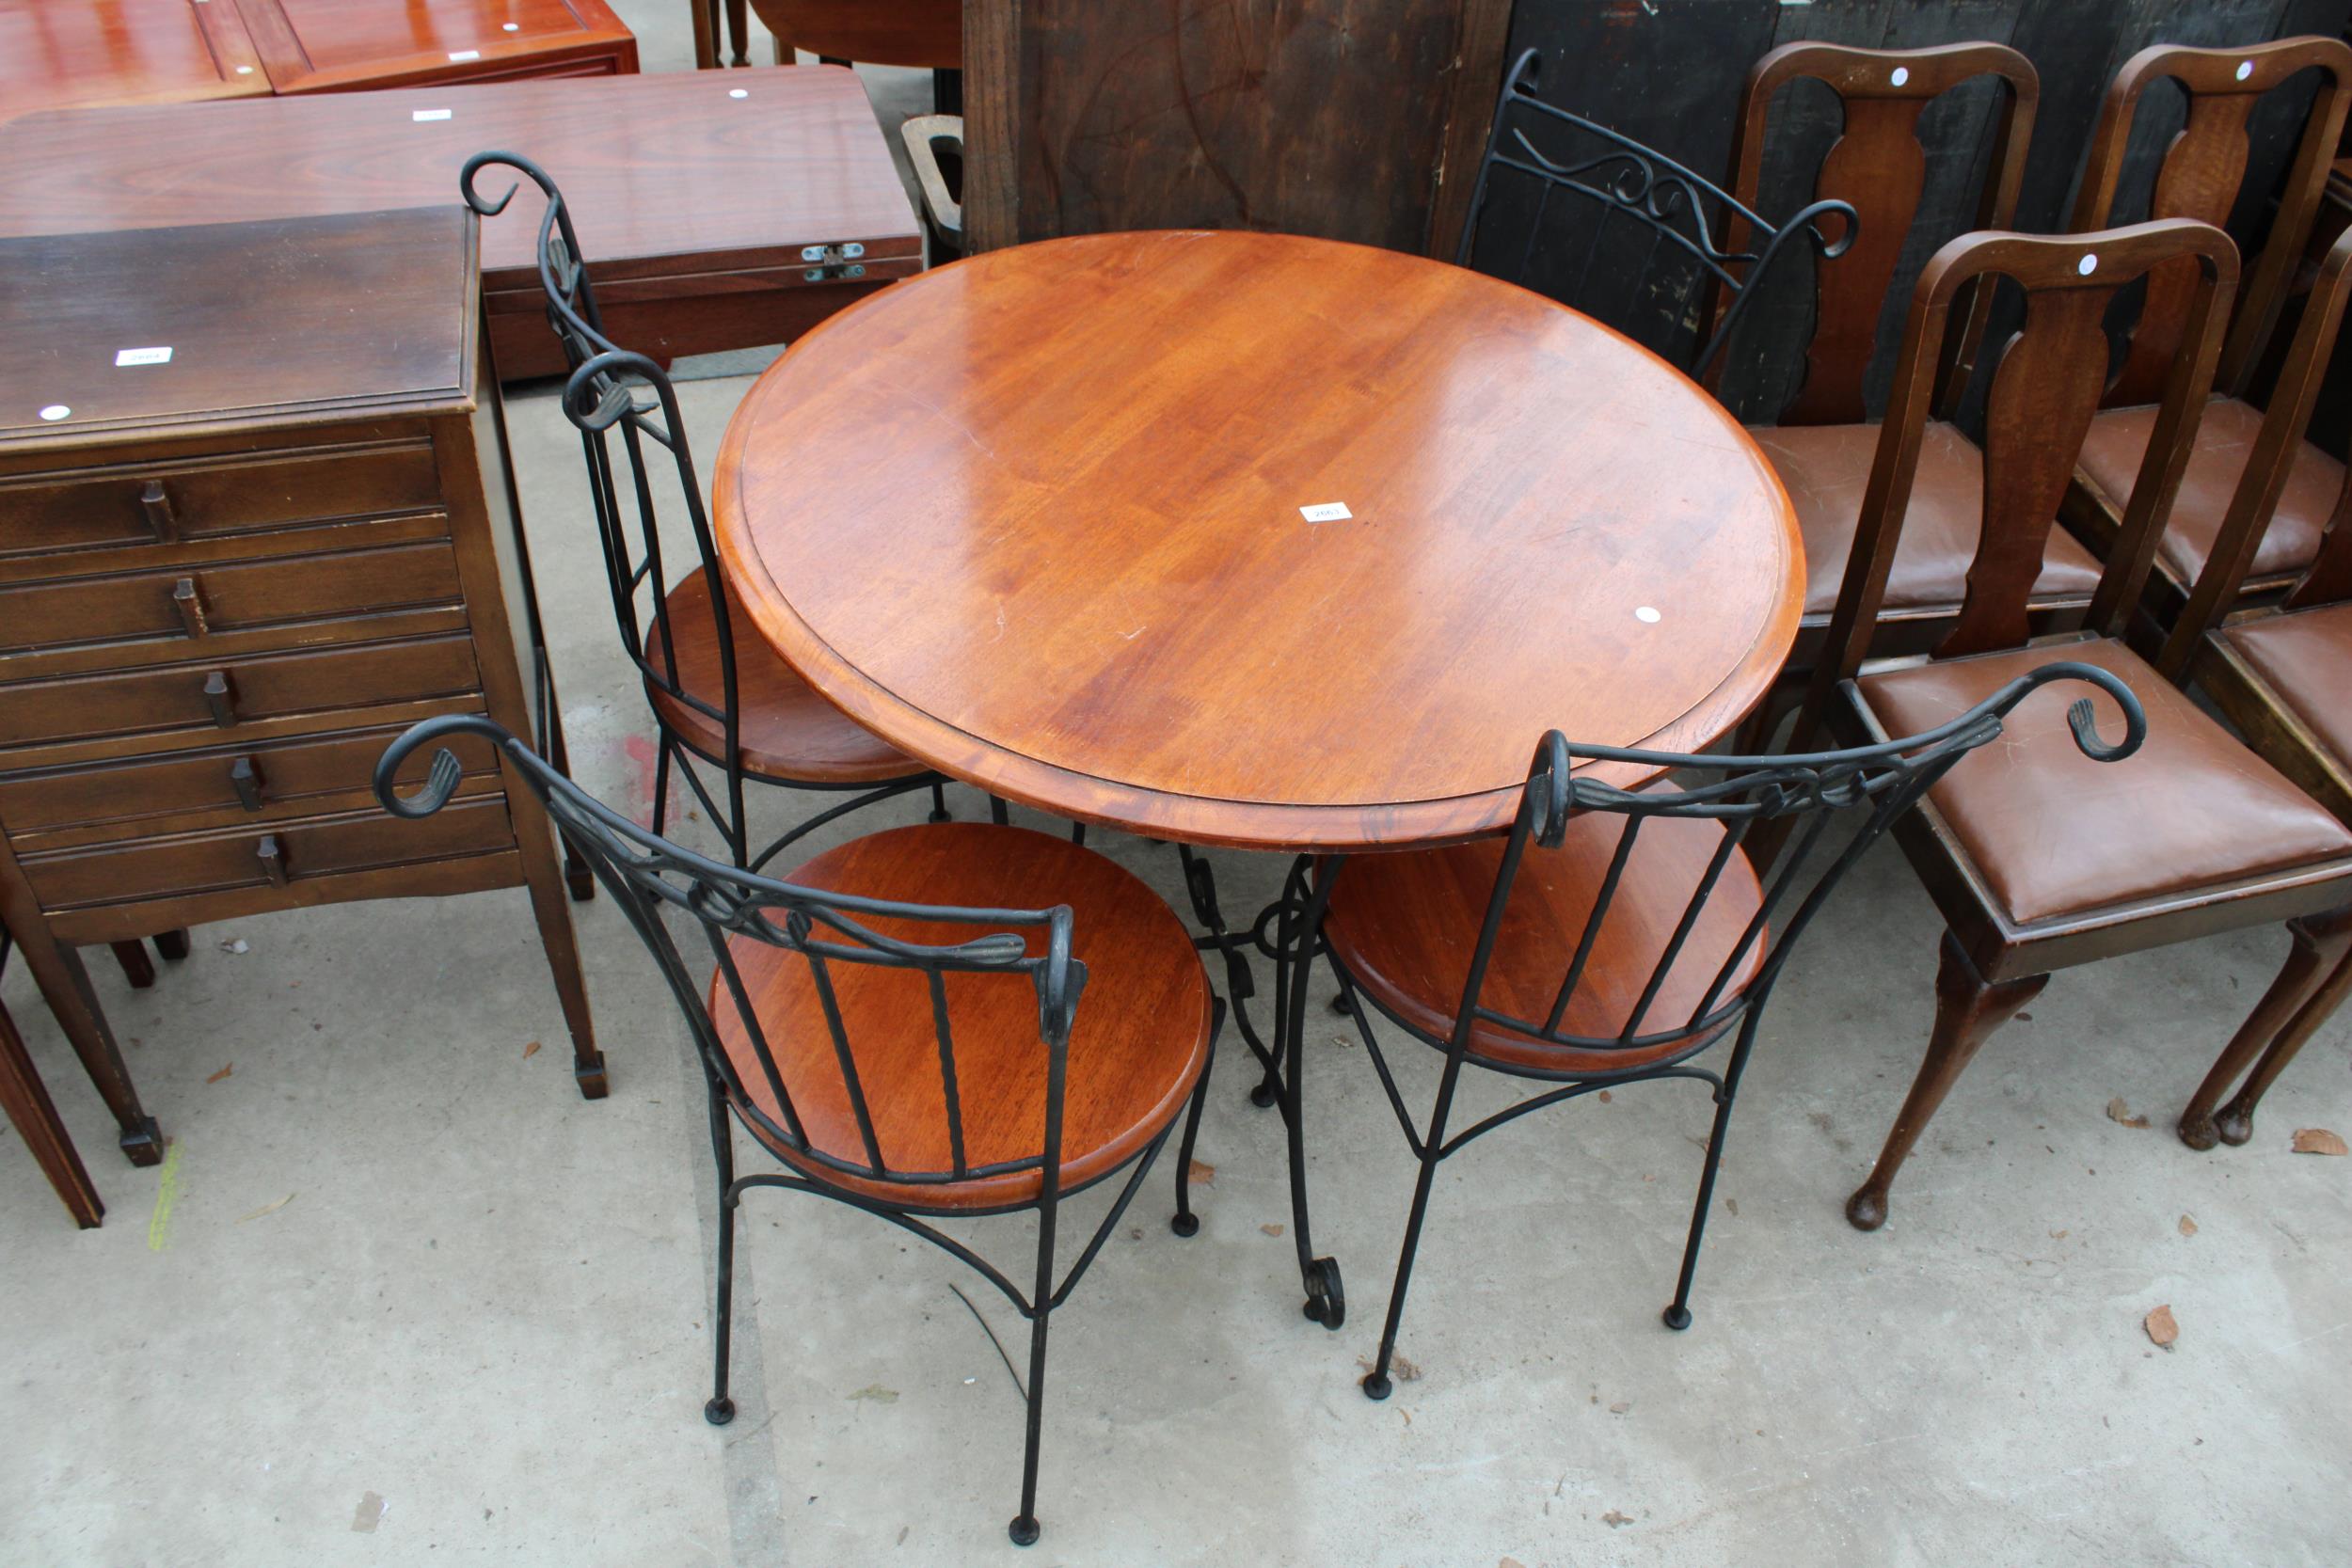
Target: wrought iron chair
717, 691
1664, 207
1635, 934
913, 1048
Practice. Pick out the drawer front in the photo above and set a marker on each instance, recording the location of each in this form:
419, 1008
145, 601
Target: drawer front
207, 497
235, 691
197, 601
278, 856
275, 778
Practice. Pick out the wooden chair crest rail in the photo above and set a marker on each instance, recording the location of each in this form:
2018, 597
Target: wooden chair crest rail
2036, 863
2280, 678
1620, 933
1512, 229
718, 692
902, 1033
2201, 176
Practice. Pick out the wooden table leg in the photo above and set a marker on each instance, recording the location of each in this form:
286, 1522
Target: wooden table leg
706, 33
740, 30
65, 986
137, 967
542, 870
172, 945
29, 1111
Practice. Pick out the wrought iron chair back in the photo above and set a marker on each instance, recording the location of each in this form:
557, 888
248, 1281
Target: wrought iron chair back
627, 412
1889, 777
647, 875
1657, 218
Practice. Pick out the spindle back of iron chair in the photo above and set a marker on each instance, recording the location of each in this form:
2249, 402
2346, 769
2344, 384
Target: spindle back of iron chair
648, 875
1617, 179
623, 403
1738, 792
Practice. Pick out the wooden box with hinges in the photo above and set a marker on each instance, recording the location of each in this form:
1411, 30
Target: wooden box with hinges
716, 212
256, 517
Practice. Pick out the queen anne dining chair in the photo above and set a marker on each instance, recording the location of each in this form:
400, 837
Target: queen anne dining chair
2280, 676
2201, 175
719, 692
1650, 223
1822, 441
898, 1026
2037, 861
1613, 935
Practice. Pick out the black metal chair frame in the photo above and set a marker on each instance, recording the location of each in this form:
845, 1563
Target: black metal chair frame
647, 873
1890, 777
600, 396
1629, 178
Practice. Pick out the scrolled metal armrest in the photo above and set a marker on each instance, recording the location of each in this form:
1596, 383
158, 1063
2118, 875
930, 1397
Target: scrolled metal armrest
447, 770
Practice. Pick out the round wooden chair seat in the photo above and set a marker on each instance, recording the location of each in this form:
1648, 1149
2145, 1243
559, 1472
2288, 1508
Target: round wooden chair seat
1140, 1045
787, 730
1404, 926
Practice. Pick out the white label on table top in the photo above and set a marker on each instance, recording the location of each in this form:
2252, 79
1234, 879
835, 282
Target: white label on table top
459, 56
1328, 511
144, 356
423, 115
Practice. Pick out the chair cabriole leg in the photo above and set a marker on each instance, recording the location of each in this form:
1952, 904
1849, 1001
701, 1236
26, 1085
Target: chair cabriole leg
2321, 943
2236, 1121
1968, 1007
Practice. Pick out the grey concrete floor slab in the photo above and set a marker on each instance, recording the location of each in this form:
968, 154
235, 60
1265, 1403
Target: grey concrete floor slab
397, 1276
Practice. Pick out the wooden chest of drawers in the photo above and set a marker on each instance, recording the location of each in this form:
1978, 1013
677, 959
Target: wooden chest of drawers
255, 518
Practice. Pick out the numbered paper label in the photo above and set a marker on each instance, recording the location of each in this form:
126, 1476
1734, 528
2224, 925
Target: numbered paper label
1329, 512
423, 115
143, 356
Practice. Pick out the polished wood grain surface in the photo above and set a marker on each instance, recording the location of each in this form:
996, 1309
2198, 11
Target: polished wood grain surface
656, 168
1036, 518
54, 54
224, 359
1139, 1044
927, 34
338, 45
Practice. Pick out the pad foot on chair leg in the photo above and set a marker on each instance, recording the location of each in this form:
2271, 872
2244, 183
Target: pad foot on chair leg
719, 1412
1327, 1302
1025, 1532
1184, 1225
1866, 1209
1376, 1386
1677, 1318
2200, 1134
2235, 1124
1262, 1096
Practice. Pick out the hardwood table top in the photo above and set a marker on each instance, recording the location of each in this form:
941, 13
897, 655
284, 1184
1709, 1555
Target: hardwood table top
665, 174
54, 54
336, 45
1041, 519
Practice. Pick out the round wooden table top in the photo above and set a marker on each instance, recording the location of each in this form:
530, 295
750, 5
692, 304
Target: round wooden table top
1046, 520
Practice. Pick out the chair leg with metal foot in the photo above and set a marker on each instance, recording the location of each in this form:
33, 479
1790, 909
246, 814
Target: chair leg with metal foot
939, 803
1185, 1222
1024, 1528
1375, 1383
1678, 1313
720, 1409
660, 784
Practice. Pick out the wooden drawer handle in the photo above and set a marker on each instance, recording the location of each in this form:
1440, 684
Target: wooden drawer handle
220, 695
273, 858
156, 501
246, 779
188, 599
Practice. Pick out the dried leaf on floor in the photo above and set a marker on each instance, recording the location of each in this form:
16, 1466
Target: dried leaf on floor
2058, 1235
2119, 1112
1202, 1172
529, 1051
268, 1208
876, 1393
1510, 1563
1731, 1206
2161, 1327
1615, 1520
2188, 1226
1602, 1097
2317, 1140
1271, 1229
1620, 1407
1399, 1368
222, 1073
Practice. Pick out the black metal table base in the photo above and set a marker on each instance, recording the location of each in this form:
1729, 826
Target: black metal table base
1288, 932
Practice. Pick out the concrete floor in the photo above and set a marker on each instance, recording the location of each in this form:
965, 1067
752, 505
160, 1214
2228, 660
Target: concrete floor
399, 1296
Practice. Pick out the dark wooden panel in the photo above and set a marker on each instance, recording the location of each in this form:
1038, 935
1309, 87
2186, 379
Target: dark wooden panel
1668, 73
1330, 117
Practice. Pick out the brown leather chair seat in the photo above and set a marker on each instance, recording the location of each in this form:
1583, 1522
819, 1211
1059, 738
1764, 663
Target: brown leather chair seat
2306, 658
1403, 926
1139, 1044
2225, 439
1825, 469
787, 730
2054, 834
